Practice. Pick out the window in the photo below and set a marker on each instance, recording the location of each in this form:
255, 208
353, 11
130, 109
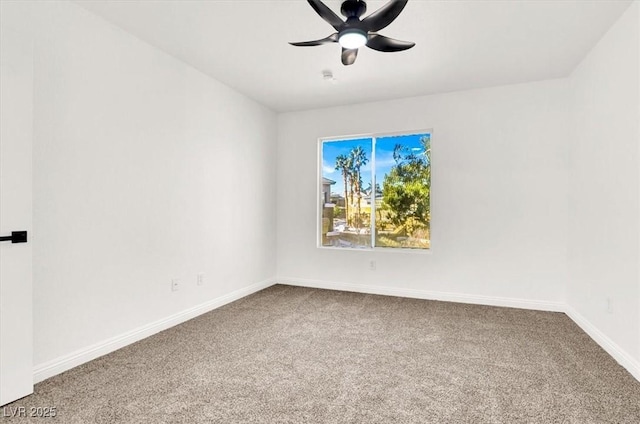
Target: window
376, 192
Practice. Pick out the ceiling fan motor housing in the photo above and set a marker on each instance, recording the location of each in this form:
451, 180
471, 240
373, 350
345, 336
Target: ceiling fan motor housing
353, 8
353, 27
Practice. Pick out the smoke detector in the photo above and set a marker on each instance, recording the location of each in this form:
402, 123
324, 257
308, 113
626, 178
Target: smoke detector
327, 75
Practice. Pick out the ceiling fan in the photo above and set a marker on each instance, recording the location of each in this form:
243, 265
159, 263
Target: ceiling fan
355, 33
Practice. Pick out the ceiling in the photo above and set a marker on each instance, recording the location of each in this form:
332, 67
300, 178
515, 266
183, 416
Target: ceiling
459, 45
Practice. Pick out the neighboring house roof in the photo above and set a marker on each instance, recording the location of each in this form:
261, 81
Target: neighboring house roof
327, 181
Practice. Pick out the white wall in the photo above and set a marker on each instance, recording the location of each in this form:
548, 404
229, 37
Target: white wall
144, 170
604, 218
136, 182
499, 205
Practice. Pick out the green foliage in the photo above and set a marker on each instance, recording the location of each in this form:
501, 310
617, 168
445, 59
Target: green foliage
406, 189
368, 191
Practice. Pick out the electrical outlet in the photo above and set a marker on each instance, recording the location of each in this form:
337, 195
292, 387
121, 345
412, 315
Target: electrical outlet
372, 265
200, 279
175, 284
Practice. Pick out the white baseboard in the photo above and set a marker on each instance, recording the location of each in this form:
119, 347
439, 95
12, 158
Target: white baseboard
612, 348
56, 366
49, 369
619, 354
538, 305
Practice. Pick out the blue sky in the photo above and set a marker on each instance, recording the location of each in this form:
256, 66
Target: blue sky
384, 157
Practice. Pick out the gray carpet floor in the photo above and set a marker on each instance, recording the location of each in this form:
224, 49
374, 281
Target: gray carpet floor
297, 355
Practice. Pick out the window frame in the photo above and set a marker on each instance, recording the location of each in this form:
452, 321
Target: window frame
320, 204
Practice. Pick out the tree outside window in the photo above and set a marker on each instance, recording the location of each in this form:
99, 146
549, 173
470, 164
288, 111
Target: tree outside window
380, 194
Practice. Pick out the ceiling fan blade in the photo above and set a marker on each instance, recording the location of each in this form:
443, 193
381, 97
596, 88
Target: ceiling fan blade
386, 44
384, 16
326, 14
349, 56
333, 38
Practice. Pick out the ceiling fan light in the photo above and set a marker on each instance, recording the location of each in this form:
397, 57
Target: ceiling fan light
352, 39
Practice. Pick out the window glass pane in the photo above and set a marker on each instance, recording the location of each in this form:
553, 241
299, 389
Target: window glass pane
403, 186
345, 202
